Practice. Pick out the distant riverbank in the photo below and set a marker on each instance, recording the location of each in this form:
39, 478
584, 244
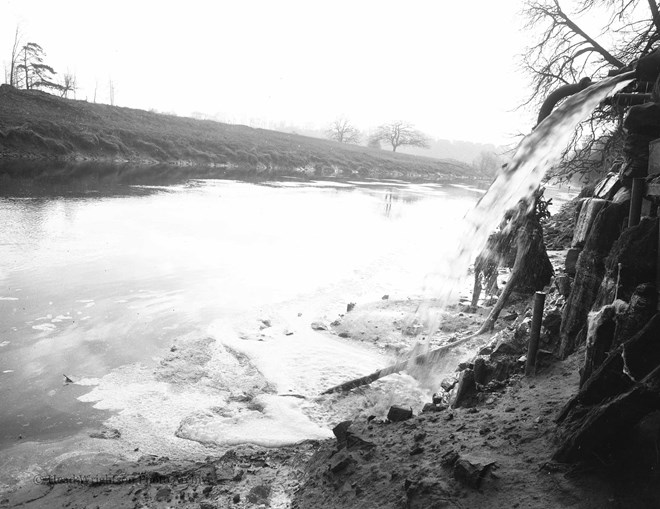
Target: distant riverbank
35, 125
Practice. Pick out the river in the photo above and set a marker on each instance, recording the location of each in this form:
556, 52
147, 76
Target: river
182, 313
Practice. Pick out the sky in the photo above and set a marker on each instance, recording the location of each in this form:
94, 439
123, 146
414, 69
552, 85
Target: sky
448, 67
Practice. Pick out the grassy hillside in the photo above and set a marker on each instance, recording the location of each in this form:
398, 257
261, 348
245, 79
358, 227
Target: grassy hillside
36, 125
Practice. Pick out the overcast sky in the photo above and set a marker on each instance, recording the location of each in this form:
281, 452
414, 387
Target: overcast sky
447, 66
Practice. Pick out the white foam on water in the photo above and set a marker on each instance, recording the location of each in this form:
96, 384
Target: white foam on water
8, 298
46, 327
244, 383
275, 421
149, 411
306, 361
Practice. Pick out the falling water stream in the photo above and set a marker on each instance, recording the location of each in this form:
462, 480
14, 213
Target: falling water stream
535, 155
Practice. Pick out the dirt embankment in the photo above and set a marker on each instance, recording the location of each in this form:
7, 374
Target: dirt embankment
37, 125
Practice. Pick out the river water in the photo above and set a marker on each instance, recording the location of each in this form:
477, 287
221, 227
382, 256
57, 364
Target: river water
103, 287
183, 313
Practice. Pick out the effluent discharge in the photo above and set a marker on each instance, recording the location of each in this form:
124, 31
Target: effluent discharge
229, 390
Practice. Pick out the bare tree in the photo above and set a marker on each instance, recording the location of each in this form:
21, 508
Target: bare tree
398, 133
69, 84
565, 53
111, 92
13, 63
343, 131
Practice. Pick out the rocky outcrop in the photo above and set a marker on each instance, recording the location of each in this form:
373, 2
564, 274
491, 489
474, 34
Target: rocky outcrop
622, 391
590, 271
631, 261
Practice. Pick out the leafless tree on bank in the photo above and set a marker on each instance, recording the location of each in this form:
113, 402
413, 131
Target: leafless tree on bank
13, 63
69, 84
399, 133
343, 131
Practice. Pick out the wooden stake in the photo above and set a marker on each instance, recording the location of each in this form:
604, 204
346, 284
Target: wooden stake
535, 333
636, 196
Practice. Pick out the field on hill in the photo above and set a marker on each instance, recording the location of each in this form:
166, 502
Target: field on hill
36, 125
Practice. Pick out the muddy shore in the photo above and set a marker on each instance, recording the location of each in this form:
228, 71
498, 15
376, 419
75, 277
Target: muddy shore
507, 433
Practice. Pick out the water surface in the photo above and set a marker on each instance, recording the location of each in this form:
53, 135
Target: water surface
90, 284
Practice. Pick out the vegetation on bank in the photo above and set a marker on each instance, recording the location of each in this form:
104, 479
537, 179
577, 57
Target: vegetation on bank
37, 125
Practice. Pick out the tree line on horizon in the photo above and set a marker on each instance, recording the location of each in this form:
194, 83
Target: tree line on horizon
398, 133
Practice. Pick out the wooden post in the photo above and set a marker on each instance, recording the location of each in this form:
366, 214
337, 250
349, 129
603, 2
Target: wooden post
636, 197
535, 333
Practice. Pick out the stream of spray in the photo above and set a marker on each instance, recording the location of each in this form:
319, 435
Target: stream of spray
537, 153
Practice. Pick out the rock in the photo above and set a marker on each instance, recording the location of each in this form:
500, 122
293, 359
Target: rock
571, 261
589, 274
265, 323
643, 119
636, 251
648, 67
433, 407
622, 195
625, 388
608, 186
563, 284
344, 335
163, 494
236, 498
588, 211
471, 470
349, 439
448, 384
399, 413
350, 306
509, 343
340, 461
449, 458
385, 297
107, 434
341, 430
510, 317
224, 472
643, 305
207, 505
259, 494
466, 388
502, 370
480, 371
319, 326
600, 335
